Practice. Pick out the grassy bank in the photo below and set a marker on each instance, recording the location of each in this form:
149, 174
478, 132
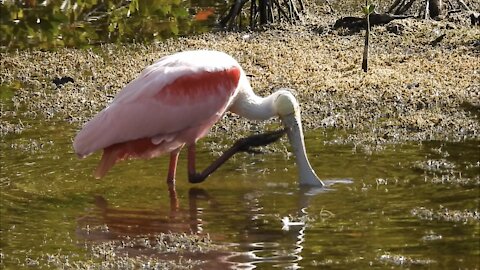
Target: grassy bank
413, 91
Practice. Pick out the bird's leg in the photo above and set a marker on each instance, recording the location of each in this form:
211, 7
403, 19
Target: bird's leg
172, 168
194, 195
173, 197
242, 145
193, 176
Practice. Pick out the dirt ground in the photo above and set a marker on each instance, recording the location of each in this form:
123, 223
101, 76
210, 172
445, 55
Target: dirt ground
414, 90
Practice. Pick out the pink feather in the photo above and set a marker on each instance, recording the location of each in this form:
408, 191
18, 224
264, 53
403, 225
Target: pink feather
173, 102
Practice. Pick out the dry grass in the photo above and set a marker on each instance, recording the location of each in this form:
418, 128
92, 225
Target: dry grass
413, 90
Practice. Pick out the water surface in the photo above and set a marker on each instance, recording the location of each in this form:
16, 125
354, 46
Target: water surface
408, 206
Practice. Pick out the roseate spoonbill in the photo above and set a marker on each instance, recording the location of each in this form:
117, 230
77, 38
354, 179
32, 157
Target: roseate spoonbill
175, 101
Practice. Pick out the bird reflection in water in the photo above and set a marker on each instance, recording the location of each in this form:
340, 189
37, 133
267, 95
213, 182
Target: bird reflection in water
257, 244
137, 233
134, 222
281, 248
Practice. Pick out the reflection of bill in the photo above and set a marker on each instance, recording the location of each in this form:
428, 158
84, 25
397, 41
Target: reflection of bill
294, 229
278, 246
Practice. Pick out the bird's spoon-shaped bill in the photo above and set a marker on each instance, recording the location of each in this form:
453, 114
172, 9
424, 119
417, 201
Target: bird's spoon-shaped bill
307, 176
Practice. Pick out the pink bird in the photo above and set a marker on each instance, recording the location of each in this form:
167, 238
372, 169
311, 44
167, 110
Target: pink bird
174, 102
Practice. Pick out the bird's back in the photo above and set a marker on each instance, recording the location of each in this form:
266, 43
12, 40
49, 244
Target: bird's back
173, 101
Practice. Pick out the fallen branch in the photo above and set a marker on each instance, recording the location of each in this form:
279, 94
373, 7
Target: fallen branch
375, 19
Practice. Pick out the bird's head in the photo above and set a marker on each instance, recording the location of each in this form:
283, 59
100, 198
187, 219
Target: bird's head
288, 109
286, 103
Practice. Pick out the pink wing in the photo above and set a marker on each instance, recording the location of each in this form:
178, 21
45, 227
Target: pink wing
173, 102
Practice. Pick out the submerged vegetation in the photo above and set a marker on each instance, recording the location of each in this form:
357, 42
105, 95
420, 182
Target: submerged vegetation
445, 214
160, 251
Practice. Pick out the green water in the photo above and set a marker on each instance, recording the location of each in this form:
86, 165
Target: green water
367, 217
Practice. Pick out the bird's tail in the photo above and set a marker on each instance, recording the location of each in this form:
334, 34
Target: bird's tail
95, 135
142, 148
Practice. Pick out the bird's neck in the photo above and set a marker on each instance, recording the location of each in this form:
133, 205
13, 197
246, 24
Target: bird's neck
247, 104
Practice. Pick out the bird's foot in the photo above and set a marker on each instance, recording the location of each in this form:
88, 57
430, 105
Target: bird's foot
196, 178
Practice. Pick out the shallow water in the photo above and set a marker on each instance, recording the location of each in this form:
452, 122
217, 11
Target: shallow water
387, 209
